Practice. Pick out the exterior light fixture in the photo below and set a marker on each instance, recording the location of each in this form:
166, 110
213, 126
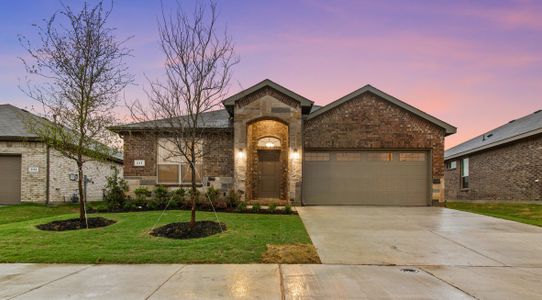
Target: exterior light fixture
269, 145
294, 154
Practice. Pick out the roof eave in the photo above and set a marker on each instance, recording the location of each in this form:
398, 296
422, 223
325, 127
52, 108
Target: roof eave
230, 101
495, 144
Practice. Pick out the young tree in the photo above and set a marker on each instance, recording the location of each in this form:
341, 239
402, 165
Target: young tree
80, 67
198, 63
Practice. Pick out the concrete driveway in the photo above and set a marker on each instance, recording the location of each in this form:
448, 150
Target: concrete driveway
484, 257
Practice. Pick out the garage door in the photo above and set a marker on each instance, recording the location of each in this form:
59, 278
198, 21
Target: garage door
366, 178
10, 179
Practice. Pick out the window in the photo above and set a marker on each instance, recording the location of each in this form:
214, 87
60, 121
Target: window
412, 156
168, 173
379, 156
316, 156
451, 165
465, 173
348, 156
172, 166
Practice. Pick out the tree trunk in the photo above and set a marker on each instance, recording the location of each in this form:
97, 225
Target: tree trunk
193, 211
82, 200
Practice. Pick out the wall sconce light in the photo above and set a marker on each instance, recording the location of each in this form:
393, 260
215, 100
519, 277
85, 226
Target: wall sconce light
241, 153
294, 154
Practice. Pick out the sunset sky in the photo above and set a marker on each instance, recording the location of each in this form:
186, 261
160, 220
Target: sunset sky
473, 64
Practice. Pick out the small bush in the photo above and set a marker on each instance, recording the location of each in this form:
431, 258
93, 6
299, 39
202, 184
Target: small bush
256, 207
242, 206
177, 198
233, 199
188, 199
288, 208
272, 207
160, 197
142, 195
115, 191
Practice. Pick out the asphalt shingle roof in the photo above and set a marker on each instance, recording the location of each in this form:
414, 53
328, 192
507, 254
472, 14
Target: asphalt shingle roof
212, 119
12, 124
516, 129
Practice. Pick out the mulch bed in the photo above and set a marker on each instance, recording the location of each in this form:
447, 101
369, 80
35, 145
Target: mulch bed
182, 230
75, 224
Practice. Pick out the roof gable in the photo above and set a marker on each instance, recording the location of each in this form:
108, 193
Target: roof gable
230, 101
512, 131
449, 129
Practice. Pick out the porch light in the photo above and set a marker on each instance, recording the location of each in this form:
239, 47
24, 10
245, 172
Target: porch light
294, 154
269, 145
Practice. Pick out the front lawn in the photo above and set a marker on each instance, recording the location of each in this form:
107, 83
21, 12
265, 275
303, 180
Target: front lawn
29, 211
128, 241
524, 213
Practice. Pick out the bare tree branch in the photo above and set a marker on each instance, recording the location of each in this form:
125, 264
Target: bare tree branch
197, 72
80, 67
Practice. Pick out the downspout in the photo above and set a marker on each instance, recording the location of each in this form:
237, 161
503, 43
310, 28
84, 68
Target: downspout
47, 175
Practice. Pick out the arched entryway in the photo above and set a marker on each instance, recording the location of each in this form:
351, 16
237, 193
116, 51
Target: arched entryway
267, 160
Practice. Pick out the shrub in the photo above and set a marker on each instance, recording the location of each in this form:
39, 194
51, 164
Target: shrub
272, 207
233, 199
214, 196
115, 191
242, 206
160, 197
288, 208
178, 198
256, 207
188, 199
141, 196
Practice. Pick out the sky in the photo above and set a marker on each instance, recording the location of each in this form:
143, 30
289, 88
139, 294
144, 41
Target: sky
473, 64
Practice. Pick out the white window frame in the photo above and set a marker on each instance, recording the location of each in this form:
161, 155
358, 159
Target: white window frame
464, 172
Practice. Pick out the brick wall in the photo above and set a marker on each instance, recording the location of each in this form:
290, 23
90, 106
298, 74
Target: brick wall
217, 162
62, 188
139, 146
33, 154
34, 184
508, 172
369, 122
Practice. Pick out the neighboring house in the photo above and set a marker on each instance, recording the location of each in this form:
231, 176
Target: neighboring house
502, 164
273, 145
30, 171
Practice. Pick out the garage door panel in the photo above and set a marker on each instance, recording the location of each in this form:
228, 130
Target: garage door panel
366, 178
10, 179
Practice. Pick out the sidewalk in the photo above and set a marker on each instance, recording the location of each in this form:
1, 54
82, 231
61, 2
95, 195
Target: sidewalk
37, 281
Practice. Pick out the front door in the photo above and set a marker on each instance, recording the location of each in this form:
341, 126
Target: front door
269, 174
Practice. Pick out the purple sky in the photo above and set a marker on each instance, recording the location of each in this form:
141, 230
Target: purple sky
475, 65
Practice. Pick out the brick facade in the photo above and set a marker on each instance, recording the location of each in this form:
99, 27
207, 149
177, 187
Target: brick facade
507, 172
364, 122
34, 184
217, 160
369, 122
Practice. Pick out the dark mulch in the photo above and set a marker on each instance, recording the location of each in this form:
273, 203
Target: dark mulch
74, 224
182, 230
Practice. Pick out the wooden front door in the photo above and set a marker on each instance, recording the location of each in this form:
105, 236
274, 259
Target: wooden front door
269, 174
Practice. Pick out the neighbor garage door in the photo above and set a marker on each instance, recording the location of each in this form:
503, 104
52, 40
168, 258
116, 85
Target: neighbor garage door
365, 178
10, 179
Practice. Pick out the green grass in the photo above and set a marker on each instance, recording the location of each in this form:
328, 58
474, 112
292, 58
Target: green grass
524, 213
30, 211
128, 240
